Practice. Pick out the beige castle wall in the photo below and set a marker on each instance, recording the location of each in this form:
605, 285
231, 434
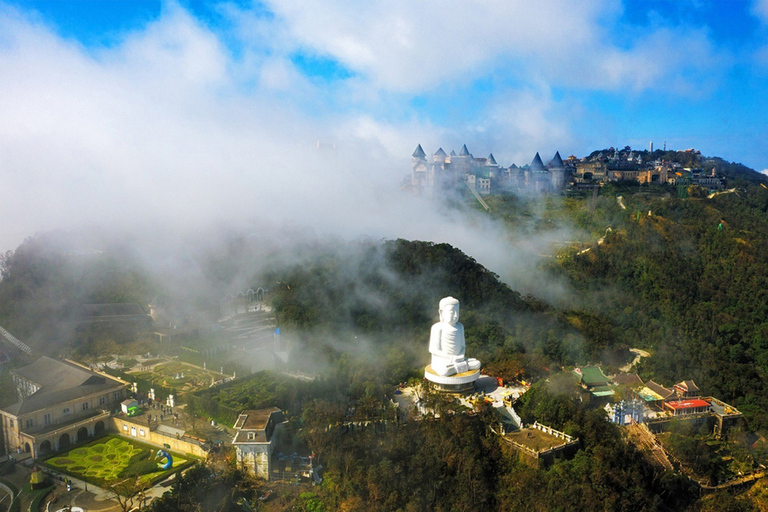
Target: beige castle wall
140, 431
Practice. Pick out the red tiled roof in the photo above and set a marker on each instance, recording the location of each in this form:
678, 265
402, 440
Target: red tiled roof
687, 404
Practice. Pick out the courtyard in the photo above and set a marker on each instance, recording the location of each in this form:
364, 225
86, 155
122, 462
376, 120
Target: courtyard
176, 376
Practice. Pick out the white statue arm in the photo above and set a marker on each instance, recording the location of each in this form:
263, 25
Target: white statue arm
435, 346
461, 342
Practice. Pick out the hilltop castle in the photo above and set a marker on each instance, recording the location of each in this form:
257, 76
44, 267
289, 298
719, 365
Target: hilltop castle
483, 175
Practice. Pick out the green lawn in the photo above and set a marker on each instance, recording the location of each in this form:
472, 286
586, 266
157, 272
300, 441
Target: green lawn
108, 459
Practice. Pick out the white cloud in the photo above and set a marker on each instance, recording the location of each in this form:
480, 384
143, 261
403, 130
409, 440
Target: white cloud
161, 133
529, 121
760, 9
416, 46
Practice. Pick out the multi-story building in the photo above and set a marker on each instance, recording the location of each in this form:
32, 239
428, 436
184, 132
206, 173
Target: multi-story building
60, 403
255, 439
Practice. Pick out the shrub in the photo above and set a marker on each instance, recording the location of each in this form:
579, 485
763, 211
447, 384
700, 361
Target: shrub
140, 468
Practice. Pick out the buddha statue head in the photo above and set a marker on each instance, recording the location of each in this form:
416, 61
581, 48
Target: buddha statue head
449, 310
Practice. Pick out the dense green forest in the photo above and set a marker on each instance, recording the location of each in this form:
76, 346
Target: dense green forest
688, 279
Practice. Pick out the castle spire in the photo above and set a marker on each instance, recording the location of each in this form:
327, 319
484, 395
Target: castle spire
537, 163
556, 160
419, 152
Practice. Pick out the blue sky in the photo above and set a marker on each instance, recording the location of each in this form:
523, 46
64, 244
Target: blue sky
692, 73
125, 96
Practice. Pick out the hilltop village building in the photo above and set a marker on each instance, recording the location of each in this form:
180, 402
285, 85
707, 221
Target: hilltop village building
483, 175
626, 165
443, 172
59, 403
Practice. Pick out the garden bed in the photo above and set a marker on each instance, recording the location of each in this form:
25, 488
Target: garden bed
110, 458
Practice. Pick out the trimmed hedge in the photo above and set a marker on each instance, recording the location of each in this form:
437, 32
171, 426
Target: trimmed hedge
40, 495
146, 450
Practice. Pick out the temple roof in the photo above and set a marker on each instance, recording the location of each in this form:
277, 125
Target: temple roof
440, 152
464, 151
418, 152
628, 379
659, 389
591, 376
688, 385
556, 160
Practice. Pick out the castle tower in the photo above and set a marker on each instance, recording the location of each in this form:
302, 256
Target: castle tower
538, 176
557, 168
418, 171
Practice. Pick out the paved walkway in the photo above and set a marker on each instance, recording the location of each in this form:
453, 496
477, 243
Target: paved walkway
92, 498
639, 354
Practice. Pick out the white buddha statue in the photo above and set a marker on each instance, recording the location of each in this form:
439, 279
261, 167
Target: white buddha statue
447, 344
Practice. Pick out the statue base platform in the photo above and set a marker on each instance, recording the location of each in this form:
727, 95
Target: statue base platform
458, 383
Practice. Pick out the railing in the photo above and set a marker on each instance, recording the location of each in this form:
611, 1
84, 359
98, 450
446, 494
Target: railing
19, 344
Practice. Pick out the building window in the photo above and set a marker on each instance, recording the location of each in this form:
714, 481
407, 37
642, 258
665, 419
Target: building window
65, 411
85, 406
47, 419
251, 436
133, 431
141, 432
116, 395
11, 423
125, 427
30, 422
102, 400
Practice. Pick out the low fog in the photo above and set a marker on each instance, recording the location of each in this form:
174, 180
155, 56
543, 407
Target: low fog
161, 142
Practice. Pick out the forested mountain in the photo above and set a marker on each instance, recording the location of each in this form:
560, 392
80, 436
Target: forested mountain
685, 279
45, 282
688, 279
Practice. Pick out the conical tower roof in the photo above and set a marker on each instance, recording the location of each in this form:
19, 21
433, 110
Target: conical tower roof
464, 151
440, 152
419, 152
490, 160
453, 153
537, 163
556, 160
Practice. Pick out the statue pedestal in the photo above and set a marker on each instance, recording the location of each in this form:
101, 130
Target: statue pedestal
458, 383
